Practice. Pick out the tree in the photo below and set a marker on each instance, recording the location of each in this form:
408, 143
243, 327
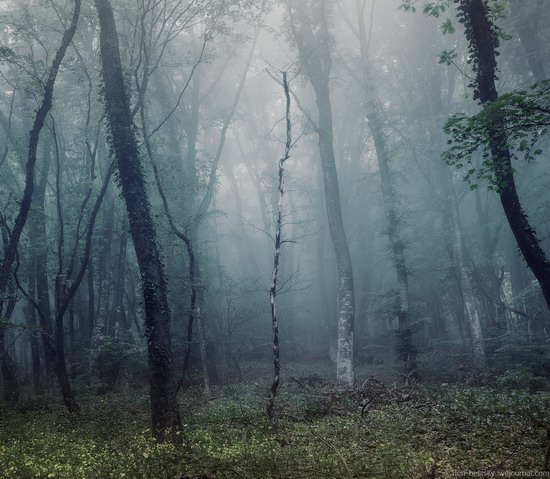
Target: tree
276, 257
164, 406
378, 129
11, 246
309, 32
484, 37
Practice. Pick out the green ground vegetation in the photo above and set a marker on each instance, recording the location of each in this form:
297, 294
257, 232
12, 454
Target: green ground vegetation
383, 429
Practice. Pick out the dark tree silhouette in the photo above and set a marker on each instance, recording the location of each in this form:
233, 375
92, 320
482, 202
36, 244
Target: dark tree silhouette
164, 406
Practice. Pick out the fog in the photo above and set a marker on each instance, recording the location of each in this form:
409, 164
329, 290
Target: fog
208, 194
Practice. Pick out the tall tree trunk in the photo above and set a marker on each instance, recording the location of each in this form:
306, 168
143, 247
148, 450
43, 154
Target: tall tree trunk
470, 300
405, 348
164, 406
105, 281
8, 366
346, 303
90, 314
313, 43
276, 256
467, 312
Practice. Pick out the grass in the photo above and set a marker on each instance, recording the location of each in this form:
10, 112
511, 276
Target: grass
404, 433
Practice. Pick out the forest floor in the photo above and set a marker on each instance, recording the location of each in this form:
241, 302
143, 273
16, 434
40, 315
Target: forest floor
382, 429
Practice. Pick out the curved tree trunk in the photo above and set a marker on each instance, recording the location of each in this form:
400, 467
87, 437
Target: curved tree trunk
164, 406
484, 43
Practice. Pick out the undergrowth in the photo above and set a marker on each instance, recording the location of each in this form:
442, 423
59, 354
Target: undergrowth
382, 432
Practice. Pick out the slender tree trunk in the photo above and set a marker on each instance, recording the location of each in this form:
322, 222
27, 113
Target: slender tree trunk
470, 300
346, 303
164, 406
8, 366
39, 247
90, 315
105, 280
313, 43
467, 311
117, 311
276, 256
327, 307
405, 348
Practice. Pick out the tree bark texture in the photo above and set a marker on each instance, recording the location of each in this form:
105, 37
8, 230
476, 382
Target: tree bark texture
276, 257
164, 407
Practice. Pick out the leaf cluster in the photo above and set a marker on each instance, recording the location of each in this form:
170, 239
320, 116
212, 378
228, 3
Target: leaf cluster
524, 115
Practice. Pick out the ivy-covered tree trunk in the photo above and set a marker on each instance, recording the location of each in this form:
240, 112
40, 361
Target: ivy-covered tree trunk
164, 406
483, 45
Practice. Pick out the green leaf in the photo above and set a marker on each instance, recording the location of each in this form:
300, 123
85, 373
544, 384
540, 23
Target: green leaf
447, 27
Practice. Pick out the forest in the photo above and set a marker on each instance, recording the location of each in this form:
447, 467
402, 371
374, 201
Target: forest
274, 239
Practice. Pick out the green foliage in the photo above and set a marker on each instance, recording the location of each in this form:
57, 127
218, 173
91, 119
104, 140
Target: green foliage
229, 436
523, 115
447, 27
437, 8
408, 6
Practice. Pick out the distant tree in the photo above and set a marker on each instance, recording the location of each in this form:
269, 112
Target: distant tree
308, 24
378, 129
526, 23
